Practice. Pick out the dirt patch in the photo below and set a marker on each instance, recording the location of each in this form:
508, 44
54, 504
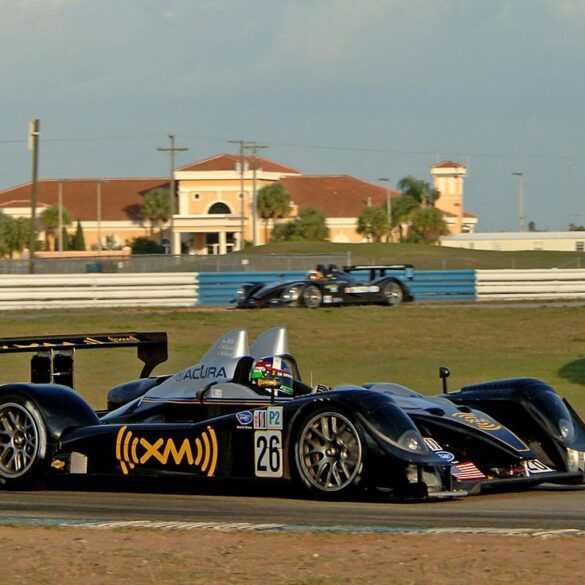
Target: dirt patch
67, 556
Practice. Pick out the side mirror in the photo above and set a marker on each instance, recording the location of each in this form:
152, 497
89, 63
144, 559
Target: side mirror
444, 373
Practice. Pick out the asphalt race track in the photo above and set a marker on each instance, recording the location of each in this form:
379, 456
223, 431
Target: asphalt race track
546, 508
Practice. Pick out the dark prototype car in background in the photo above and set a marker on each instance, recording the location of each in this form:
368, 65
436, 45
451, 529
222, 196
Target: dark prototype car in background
243, 413
331, 286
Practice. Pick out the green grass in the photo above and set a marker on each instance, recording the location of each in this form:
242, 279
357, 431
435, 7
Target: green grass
339, 345
428, 257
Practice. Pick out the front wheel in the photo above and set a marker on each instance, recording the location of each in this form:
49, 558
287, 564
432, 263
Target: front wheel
312, 297
23, 441
329, 455
392, 293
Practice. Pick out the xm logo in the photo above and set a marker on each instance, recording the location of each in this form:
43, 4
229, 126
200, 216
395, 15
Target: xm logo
202, 452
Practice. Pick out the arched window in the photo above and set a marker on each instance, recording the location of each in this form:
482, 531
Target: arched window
219, 208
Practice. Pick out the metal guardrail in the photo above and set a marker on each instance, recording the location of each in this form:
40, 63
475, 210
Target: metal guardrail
530, 284
33, 291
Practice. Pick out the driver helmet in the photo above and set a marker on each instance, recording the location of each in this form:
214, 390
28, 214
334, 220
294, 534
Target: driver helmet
314, 275
272, 374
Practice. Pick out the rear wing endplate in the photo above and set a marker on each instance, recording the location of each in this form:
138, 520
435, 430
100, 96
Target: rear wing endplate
53, 361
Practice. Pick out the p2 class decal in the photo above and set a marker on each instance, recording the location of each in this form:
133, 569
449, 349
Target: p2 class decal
534, 466
200, 452
268, 454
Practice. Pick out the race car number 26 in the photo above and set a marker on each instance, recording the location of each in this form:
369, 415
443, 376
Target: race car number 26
268, 453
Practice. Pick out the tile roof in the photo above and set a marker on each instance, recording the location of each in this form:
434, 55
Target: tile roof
228, 162
121, 198
335, 195
448, 164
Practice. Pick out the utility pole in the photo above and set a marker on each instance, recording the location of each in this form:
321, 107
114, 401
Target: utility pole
172, 150
60, 217
255, 148
33, 144
521, 214
388, 208
242, 144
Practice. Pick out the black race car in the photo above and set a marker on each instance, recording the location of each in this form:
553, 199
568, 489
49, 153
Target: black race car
331, 286
243, 412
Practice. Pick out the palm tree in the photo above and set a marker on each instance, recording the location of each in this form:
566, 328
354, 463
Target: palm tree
50, 220
273, 202
14, 234
419, 190
156, 208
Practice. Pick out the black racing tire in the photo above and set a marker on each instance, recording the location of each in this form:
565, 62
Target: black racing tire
328, 455
312, 296
392, 293
23, 442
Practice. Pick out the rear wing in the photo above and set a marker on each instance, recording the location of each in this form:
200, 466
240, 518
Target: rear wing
53, 361
380, 270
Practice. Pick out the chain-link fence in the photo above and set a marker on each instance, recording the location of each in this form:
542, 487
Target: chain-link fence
168, 263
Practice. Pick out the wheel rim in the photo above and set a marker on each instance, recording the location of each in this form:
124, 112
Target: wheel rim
312, 297
330, 452
19, 440
392, 294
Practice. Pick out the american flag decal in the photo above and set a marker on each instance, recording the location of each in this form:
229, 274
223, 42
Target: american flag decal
467, 470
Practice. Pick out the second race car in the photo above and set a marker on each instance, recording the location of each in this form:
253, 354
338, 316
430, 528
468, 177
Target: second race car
331, 286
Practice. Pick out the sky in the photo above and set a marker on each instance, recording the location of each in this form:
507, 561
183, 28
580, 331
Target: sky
369, 88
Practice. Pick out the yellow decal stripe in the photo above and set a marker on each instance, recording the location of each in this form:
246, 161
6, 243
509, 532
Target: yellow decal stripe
214, 452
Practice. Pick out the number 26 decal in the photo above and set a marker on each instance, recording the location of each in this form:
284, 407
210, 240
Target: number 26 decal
268, 453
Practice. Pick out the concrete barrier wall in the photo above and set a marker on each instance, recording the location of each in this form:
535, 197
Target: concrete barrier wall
219, 288
530, 284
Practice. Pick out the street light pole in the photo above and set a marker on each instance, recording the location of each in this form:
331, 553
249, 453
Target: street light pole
521, 214
172, 150
33, 144
388, 208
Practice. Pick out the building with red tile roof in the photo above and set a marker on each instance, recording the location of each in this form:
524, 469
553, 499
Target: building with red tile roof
213, 210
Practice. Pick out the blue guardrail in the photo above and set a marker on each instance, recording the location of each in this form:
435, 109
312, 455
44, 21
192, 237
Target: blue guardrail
219, 288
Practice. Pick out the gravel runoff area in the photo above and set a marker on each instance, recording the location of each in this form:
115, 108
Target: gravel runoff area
67, 556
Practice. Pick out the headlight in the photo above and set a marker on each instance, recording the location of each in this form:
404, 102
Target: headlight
413, 442
241, 293
566, 429
291, 294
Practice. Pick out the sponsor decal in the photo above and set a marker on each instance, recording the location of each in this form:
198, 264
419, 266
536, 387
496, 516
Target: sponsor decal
438, 450
201, 372
245, 418
327, 299
466, 471
58, 464
332, 287
535, 466
200, 452
260, 419
361, 289
481, 423
216, 393
268, 454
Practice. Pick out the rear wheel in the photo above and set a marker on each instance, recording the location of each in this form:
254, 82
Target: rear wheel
328, 455
392, 293
312, 297
23, 441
